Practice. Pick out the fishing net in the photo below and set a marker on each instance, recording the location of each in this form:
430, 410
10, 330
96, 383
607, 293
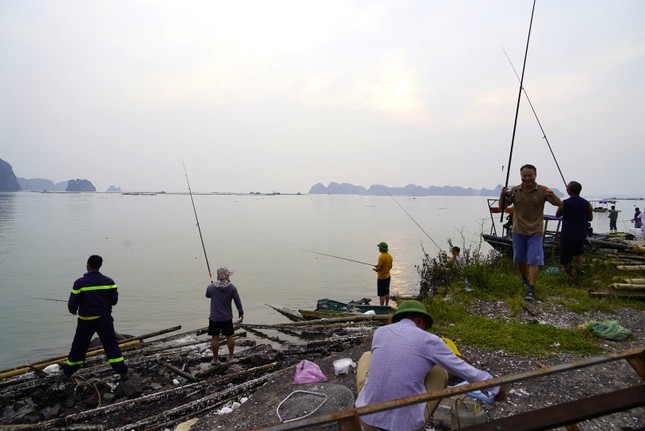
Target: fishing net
608, 329
299, 405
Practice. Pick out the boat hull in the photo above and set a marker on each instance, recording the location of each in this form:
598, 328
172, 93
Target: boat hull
331, 306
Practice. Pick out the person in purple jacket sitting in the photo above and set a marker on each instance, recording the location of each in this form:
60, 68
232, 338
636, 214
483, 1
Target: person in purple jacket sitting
406, 360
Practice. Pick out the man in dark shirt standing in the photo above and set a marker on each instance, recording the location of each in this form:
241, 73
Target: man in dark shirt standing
576, 214
92, 298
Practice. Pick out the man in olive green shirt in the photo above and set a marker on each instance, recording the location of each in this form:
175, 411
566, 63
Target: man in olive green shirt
528, 199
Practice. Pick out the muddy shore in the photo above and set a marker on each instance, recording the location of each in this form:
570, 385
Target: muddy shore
173, 382
260, 408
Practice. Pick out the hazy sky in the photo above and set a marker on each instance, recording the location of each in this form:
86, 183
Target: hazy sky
279, 95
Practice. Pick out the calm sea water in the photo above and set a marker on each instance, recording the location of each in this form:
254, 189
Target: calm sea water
151, 247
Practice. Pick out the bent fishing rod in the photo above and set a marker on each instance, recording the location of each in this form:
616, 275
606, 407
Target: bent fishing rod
517, 109
199, 229
411, 218
338, 257
537, 119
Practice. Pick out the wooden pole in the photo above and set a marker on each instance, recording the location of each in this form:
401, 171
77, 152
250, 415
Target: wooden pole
41, 365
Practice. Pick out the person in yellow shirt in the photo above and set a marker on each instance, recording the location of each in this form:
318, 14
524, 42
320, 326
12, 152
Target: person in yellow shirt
383, 267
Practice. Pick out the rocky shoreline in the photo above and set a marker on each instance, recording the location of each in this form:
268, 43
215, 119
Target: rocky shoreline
174, 386
260, 409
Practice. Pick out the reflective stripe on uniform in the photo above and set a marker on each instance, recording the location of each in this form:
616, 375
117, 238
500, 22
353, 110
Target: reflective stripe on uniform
71, 364
90, 288
89, 317
115, 360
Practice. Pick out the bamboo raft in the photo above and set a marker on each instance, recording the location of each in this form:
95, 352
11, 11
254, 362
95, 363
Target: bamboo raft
171, 380
625, 287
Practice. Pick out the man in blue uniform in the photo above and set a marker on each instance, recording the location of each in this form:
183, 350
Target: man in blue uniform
92, 298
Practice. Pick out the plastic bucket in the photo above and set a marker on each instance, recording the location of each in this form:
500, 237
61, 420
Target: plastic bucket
341, 366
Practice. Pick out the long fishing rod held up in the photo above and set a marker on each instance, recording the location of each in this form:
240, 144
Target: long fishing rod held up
517, 108
537, 119
338, 257
199, 229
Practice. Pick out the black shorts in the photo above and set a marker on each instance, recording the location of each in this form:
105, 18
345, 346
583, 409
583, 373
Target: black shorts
383, 286
570, 249
216, 328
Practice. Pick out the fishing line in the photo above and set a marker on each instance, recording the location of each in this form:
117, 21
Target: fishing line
538, 120
45, 299
517, 108
338, 257
411, 218
210, 276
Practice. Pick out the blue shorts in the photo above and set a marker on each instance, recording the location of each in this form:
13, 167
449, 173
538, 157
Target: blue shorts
528, 249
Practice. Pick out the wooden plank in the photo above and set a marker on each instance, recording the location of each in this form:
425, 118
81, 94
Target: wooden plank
26, 369
638, 363
632, 268
568, 413
628, 287
622, 295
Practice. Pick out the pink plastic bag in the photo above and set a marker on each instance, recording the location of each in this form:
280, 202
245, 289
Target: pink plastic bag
308, 372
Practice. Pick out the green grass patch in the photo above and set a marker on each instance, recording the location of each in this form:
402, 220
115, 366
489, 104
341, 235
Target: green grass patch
452, 320
493, 277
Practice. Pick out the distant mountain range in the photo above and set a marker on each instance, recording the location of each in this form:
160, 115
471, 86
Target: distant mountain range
409, 190
10, 183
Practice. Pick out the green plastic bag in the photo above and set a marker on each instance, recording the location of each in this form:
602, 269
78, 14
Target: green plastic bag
608, 329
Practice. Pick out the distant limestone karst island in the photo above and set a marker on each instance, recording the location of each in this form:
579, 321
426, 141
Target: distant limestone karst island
409, 190
10, 183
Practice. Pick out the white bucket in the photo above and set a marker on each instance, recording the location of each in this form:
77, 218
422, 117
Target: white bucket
341, 366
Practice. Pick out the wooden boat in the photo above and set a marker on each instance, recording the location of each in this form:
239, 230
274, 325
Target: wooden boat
312, 314
328, 308
293, 315
500, 236
602, 205
501, 240
352, 307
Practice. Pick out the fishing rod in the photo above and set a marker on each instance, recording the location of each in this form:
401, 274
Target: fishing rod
210, 276
538, 120
411, 218
338, 257
46, 299
517, 109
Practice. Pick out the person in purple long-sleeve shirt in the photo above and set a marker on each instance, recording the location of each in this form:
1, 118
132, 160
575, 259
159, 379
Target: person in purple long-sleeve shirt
407, 360
220, 320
